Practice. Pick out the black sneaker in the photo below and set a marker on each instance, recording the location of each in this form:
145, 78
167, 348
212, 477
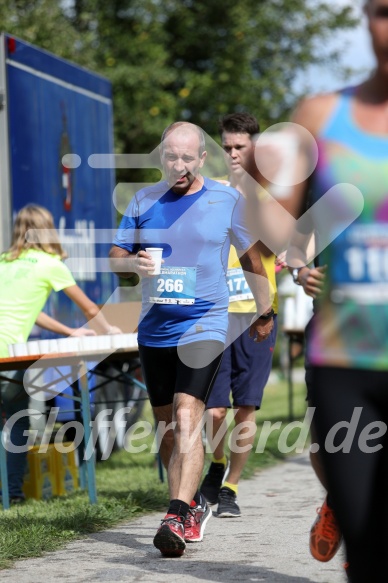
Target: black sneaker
212, 482
227, 504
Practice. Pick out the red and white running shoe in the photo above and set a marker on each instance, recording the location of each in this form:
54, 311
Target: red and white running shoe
196, 520
170, 537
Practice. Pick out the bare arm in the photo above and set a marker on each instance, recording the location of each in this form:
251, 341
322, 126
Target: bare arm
90, 310
274, 220
130, 265
122, 262
48, 323
257, 279
310, 278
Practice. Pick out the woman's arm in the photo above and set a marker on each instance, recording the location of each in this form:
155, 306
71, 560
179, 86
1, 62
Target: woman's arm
48, 323
90, 310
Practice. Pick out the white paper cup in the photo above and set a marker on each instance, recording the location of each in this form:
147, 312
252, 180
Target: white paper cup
104, 342
133, 340
130, 340
10, 350
67, 345
33, 347
88, 343
118, 341
156, 253
73, 343
44, 346
53, 346
63, 345
20, 349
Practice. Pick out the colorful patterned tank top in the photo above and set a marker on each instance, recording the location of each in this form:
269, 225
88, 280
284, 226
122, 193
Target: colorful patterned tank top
351, 325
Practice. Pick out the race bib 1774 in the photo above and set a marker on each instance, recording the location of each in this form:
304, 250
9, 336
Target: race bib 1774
237, 285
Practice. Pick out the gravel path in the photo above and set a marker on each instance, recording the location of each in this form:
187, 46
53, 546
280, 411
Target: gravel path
268, 543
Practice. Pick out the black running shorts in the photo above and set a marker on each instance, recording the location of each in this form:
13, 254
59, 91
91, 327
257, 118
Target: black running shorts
189, 369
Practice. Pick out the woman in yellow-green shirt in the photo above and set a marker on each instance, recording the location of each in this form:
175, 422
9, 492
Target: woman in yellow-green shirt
30, 269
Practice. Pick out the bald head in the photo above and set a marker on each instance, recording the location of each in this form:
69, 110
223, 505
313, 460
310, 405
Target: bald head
184, 128
183, 154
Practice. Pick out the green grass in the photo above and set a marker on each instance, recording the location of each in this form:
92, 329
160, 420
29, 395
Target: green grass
127, 486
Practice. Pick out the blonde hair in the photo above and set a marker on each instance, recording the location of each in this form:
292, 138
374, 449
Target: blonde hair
44, 236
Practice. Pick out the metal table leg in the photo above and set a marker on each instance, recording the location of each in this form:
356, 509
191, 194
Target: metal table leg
3, 466
88, 460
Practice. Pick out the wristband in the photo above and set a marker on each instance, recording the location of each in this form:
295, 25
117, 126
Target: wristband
267, 316
295, 274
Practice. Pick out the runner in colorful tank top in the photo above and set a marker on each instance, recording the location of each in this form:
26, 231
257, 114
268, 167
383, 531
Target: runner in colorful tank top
348, 342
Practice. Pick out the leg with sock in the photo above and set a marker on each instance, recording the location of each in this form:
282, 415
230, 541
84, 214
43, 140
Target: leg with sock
242, 437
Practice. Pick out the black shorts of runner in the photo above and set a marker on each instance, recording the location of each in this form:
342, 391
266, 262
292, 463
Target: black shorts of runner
189, 369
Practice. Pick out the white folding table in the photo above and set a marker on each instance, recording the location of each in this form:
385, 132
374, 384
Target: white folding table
80, 364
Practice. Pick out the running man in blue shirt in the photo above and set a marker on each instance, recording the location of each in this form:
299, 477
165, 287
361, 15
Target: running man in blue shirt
184, 317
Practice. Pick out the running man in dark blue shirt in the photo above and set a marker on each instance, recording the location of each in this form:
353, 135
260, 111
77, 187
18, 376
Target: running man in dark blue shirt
184, 317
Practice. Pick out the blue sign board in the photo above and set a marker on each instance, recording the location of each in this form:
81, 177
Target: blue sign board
57, 108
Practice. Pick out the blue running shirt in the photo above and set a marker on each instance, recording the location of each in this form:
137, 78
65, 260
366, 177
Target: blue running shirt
188, 302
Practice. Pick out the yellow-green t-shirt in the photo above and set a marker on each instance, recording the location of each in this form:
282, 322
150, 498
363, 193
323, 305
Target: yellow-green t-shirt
25, 285
240, 296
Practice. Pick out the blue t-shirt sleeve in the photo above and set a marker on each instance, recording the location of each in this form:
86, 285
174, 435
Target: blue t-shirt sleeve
127, 233
241, 237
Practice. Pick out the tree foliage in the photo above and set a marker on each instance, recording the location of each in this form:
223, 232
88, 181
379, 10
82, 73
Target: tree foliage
185, 59
44, 23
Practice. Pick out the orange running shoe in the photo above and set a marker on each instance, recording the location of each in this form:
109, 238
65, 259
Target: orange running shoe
325, 534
